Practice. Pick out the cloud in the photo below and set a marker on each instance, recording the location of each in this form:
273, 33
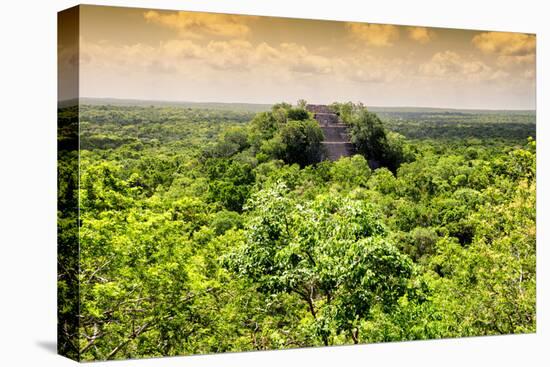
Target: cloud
187, 56
505, 43
368, 76
229, 55
366, 68
197, 25
529, 74
442, 64
299, 59
451, 66
181, 49
267, 54
380, 35
160, 67
200, 60
420, 34
506, 61
105, 55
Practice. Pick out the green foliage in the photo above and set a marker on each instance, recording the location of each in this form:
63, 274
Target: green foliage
302, 142
419, 243
230, 182
330, 252
351, 171
467, 125
67, 233
226, 220
201, 233
371, 138
297, 114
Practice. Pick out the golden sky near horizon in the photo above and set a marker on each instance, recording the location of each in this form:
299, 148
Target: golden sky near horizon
190, 56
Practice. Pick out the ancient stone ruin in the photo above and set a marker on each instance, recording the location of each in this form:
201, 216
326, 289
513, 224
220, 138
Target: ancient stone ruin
336, 142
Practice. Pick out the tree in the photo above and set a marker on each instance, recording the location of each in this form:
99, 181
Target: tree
370, 137
226, 220
344, 110
331, 253
232, 141
297, 114
230, 182
302, 103
263, 126
351, 171
492, 281
203, 231
302, 141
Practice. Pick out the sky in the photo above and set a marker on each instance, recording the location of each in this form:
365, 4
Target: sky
190, 56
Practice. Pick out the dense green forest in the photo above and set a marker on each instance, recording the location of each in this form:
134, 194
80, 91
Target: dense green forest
208, 230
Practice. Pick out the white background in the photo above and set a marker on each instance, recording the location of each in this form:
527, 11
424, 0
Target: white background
28, 182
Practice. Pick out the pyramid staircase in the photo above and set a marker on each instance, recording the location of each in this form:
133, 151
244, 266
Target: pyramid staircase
336, 141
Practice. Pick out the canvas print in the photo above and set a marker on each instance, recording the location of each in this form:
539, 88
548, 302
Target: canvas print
233, 183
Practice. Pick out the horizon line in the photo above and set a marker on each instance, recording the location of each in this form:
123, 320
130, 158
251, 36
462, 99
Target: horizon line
273, 103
